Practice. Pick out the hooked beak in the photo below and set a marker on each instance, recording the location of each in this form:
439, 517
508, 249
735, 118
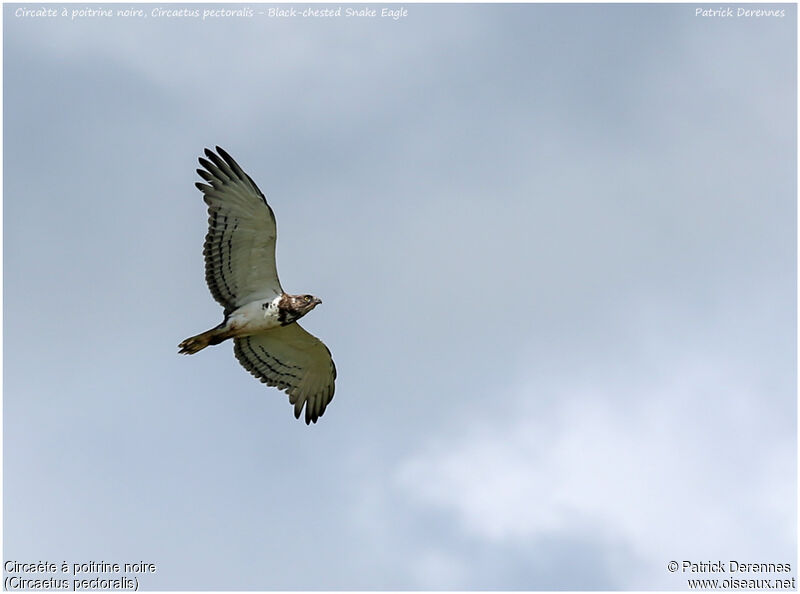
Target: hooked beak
317, 301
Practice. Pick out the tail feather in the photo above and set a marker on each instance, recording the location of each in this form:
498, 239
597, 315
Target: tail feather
194, 344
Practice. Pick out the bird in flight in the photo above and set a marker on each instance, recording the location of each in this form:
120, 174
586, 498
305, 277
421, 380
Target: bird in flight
242, 275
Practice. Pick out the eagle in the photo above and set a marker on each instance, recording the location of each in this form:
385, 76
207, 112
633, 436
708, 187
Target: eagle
242, 276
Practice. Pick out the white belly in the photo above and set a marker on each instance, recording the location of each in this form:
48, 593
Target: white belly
254, 317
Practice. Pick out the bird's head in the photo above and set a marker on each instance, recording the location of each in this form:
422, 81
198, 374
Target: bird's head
294, 307
302, 304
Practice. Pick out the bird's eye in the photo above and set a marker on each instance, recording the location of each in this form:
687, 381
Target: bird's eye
308, 298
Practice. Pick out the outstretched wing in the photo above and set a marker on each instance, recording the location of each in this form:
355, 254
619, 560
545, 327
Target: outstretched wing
240, 244
294, 361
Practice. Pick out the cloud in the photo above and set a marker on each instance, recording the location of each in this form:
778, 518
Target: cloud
669, 465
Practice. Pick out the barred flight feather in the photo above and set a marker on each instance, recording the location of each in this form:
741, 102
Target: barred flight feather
240, 244
308, 380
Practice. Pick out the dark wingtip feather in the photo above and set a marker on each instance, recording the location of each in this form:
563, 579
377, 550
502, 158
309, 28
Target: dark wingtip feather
231, 162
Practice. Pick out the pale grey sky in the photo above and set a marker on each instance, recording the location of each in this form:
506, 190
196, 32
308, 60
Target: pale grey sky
556, 250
